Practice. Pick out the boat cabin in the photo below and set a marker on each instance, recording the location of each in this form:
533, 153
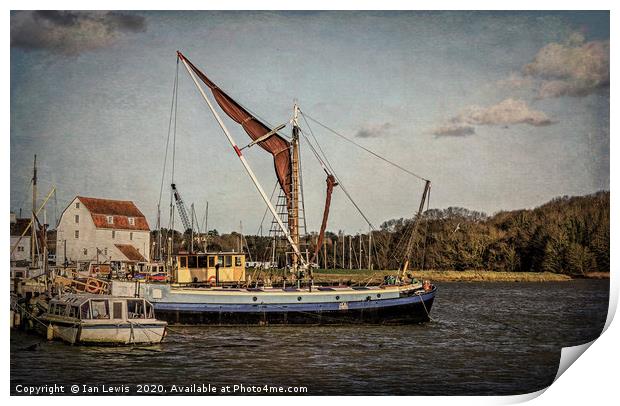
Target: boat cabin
103, 320
211, 267
98, 307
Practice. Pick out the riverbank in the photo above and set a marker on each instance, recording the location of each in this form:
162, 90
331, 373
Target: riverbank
365, 276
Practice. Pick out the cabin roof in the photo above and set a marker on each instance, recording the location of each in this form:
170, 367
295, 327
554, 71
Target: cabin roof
76, 299
130, 252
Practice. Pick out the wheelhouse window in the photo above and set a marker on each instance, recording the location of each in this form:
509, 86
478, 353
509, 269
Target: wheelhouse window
149, 311
183, 261
237, 261
191, 261
100, 309
117, 310
211, 262
60, 310
228, 261
202, 261
135, 309
85, 310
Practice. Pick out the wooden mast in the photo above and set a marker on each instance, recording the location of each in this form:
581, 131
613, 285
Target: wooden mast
293, 217
416, 220
244, 162
33, 234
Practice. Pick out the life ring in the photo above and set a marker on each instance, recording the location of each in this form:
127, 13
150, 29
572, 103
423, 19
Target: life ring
426, 285
93, 286
212, 280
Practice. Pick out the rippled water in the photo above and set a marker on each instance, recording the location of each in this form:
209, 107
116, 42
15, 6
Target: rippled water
485, 339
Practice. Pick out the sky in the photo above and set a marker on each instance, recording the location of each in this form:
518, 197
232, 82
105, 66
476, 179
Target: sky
500, 110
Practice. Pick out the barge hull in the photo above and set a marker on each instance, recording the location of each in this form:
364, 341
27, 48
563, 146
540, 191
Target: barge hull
408, 310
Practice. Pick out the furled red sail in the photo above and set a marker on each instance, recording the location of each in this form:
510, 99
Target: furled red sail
331, 182
276, 145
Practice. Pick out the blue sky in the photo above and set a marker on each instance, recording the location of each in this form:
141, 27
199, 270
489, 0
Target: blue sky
500, 110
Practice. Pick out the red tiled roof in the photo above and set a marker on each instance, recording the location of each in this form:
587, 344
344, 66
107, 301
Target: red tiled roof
130, 252
120, 210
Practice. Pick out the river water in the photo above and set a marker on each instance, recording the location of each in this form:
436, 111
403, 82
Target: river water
485, 339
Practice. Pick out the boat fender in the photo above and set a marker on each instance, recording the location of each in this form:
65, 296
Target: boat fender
50, 332
212, 280
92, 286
426, 285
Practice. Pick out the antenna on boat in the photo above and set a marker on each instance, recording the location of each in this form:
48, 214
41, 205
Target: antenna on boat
244, 162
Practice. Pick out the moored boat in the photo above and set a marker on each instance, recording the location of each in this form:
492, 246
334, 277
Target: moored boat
392, 304
197, 294
103, 320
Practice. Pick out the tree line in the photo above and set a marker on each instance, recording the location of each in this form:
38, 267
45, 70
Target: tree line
568, 235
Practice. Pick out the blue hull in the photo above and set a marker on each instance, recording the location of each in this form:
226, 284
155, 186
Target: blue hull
414, 308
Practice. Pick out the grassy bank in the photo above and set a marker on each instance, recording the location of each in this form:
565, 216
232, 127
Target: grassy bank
364, 276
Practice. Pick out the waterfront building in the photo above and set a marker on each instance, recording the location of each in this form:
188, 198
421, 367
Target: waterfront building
21, 253
102, 231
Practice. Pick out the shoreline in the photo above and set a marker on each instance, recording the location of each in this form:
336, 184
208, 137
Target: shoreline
365, 276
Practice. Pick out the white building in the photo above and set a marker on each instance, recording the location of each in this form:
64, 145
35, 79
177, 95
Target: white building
103, 230
21, 252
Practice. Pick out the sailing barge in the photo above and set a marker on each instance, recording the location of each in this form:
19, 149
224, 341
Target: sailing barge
304, 303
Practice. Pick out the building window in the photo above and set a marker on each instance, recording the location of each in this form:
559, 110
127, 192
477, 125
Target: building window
77, 234
131, 235
77, 205
85, 251
110, 219
113, 234
105, 251
132, 221
77, 218
20, 249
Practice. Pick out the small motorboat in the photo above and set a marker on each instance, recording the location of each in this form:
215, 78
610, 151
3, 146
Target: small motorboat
103, 320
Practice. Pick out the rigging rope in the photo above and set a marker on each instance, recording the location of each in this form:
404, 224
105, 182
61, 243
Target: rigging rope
346, 192
364, 148
172, 105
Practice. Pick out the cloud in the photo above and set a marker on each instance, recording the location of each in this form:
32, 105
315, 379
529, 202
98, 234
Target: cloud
516, 81
71, 32
507, 112
380, 130
574, 68
454, 129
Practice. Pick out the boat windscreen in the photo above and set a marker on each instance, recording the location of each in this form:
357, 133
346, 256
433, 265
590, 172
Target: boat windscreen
149, 311
85, 311
135, 308
100, 309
